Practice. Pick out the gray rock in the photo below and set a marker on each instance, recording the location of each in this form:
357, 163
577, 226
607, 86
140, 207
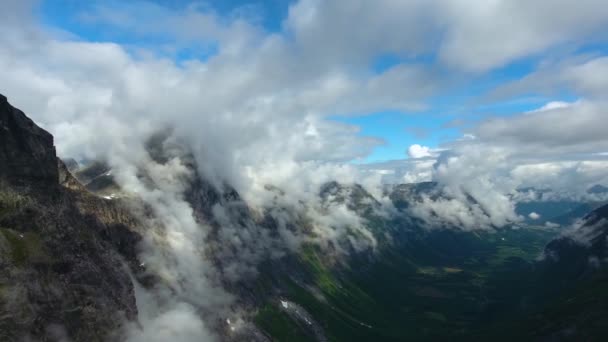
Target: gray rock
27, 153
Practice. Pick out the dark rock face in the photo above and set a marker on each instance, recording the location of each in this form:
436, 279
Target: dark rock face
580, 253
403, 195
588, 240
354, 196
64, 252
66, 179
27, 154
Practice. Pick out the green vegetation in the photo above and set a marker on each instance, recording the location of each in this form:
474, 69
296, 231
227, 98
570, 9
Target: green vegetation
279, 325
323, 277
24, 247
10, 201
435, 285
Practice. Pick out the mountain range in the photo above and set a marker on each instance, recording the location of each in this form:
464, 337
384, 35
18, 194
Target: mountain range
81, 258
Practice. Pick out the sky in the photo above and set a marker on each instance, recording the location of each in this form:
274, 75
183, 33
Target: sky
432, 120
275, 85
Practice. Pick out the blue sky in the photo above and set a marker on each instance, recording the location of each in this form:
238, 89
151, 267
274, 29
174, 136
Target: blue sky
448, 113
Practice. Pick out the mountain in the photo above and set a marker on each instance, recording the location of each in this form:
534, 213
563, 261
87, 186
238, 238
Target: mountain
420, 284
544, 207
585, 246
61, 248
597, 189
446, 284
403, 195
571, 280
563, 212
72, 267
27, 153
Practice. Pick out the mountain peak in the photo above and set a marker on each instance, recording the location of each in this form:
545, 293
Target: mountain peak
27, 153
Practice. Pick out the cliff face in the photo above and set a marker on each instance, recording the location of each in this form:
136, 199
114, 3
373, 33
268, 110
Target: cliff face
63, 251
27, 153
578, 254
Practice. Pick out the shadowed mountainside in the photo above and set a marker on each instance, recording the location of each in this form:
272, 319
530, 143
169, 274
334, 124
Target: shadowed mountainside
63, 251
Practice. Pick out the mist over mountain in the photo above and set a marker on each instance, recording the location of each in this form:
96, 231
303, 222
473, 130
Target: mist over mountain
178, 258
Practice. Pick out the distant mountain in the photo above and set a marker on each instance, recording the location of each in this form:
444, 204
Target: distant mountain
404, 195
353, 196
597, 189
561, 212
554, 209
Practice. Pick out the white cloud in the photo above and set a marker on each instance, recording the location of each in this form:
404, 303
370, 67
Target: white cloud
585, 75
476, 177
534, 216
418, 151
553, 105
560, 130
469, 35
180, 324
481, 36
400, 171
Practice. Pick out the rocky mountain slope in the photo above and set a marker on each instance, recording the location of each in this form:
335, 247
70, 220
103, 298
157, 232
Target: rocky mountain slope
571, 280
63, 251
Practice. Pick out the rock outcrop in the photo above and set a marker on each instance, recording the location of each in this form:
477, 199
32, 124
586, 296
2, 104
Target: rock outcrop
63, 251
27, 153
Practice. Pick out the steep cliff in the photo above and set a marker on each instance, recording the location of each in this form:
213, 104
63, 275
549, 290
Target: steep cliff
63, 251
27, 154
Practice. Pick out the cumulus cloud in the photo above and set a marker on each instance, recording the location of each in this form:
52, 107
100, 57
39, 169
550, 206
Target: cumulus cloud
400, 171
551, 148
560, 130
418, 151
567, 179
475, 187
468, 35
584, 75
482, 36
534, 216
